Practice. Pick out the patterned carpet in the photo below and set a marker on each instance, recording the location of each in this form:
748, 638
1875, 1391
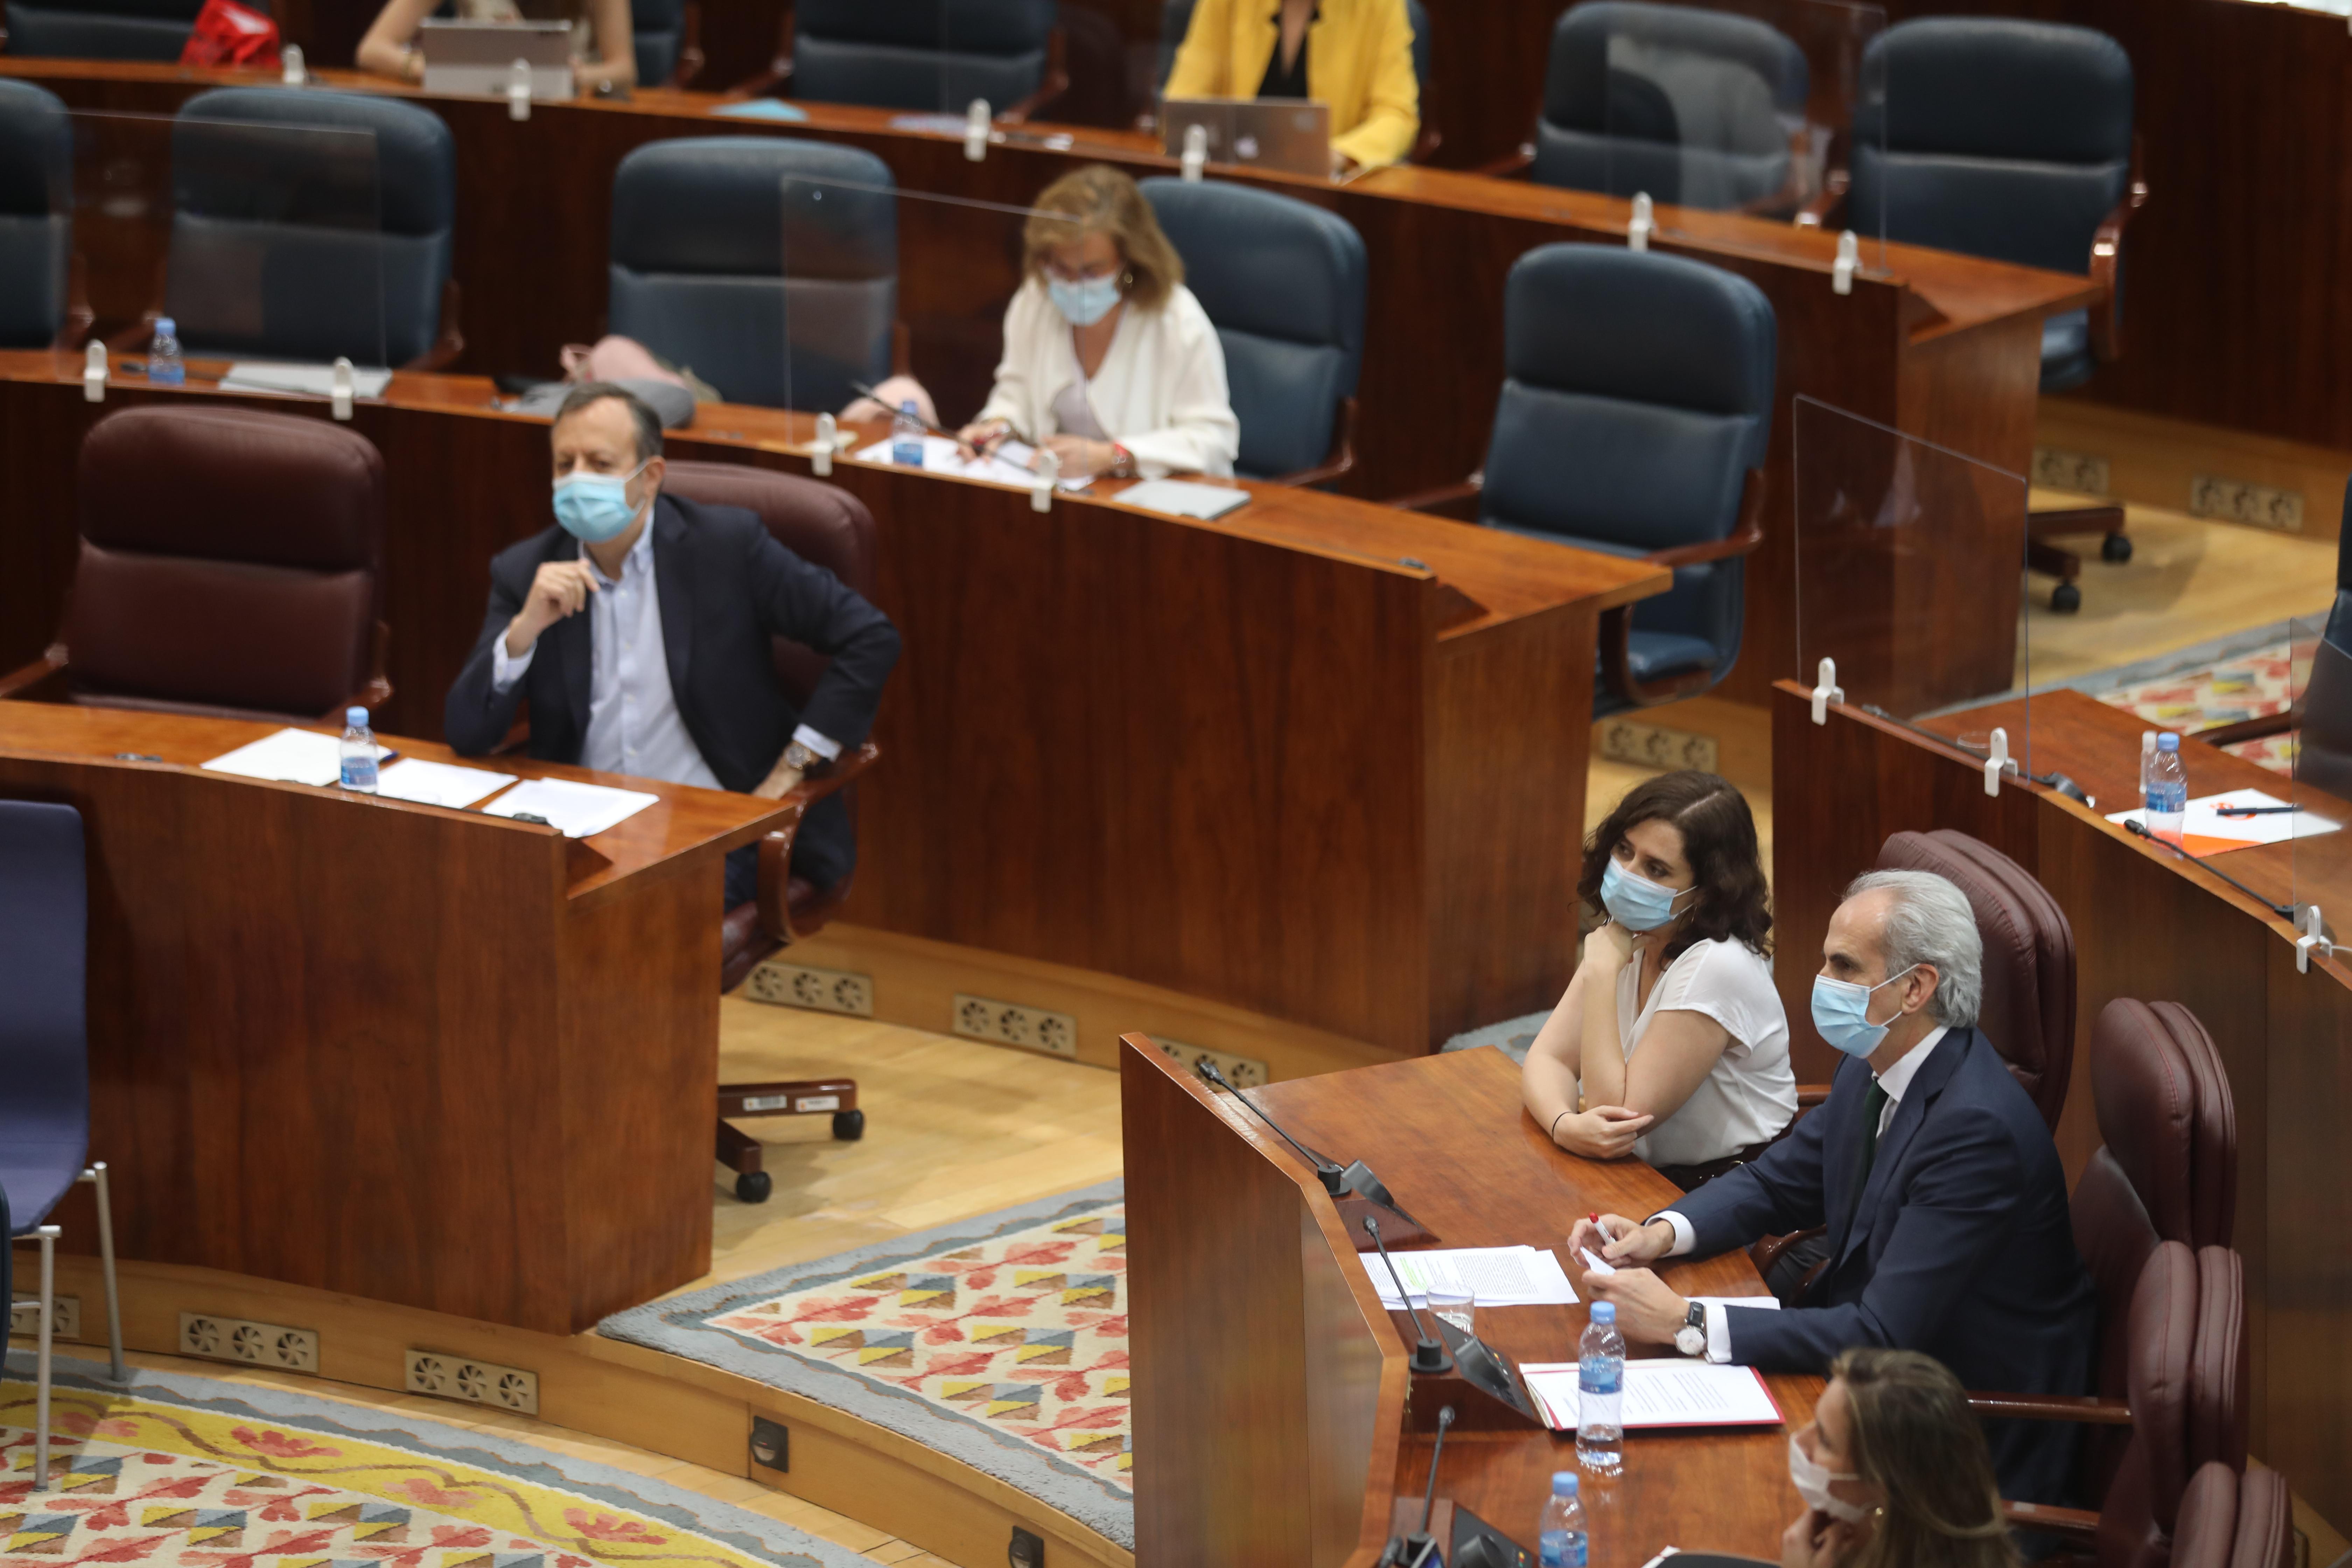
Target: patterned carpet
1001, 1340
187, 1470
2252, 684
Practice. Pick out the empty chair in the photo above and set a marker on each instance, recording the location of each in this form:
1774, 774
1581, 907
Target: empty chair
2230, 1521
231, 565
1284, 283
1693, 106
35, 215
106, 29
1635, 411
309, 226
832, 528
927, 54
667, 36
2169, 1121
771, 297
45, 1064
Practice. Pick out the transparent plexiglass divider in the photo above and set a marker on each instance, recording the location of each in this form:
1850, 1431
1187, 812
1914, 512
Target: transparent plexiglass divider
1725, 105
36, 219
890, 297
262, 244
1910, 579
2318, 750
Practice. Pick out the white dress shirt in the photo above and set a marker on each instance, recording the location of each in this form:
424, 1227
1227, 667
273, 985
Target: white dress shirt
1892, 1081
634, 724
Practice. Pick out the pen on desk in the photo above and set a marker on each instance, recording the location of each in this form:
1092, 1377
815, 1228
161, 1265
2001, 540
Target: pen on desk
2254, 810
863, 390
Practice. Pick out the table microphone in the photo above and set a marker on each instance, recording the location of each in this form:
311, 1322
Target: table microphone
1414, 1550
2283, 911
1429, 1357
1357, 1178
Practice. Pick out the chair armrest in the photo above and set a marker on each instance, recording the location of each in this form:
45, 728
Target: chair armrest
21, 684
1810, 1095
690, 58
1505, 167
2083, 1408
776, 848
1342, 457
1827, 209
2078, 1523
452, 341
373, 695
1055, 83
2106, 255
1767, 1252
780, 64
1444, 495
1743, 541
74, 331
2248, 729
1617, 625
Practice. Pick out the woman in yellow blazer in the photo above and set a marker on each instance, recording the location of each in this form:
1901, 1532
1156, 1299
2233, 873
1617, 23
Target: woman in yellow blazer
1354, 55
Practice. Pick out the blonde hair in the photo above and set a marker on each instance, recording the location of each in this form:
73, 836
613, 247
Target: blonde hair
1103, 201
1914, 1437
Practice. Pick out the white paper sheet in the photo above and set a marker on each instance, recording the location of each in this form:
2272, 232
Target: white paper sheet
1009, 465
1496, 1276
1180, 498
1661, 1393
2203, 820
574, 810
304, 380
438, 784
298, 756
1594, 1263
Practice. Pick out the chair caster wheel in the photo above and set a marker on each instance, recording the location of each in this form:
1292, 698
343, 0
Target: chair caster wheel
753, 1187
2115, 547
848, 1126
2066, 598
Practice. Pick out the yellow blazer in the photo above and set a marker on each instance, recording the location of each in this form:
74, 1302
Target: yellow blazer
1359, 60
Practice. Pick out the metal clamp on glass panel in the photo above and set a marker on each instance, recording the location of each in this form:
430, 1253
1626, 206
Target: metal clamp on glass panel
519, 90
2312, 941
1826, 690
1849, 256
1637, 232
93, 372
975, 130
1196, 153
1996, 761
1049, 474
828, 435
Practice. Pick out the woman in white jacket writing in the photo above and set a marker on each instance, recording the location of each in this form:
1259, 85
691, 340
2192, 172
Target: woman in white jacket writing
1109, 361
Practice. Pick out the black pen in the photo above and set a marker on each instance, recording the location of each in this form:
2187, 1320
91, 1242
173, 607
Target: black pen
2254, 810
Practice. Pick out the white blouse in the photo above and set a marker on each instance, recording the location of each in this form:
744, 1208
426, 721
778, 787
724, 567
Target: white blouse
1159, 391
1749, 1094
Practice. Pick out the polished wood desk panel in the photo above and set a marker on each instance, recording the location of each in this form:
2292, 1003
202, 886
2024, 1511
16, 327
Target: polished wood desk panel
1275, 1418
1385, 763
2147, 925
1942, 346
416, 1055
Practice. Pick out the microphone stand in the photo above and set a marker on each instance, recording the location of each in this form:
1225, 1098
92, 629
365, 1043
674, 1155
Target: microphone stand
2140, 829
1356, 1180
1429, 1357
1414, 1550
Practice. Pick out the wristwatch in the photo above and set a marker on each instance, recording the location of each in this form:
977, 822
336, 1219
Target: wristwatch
799, 759
1691, 1337
1122, 462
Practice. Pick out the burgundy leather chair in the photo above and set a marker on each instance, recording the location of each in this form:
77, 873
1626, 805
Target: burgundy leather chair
832, 528
231, 565
2229, 1521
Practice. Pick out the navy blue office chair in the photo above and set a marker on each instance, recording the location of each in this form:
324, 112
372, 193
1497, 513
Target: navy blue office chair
45, 1062
1636, 407
1284, 284
714, 270
2323, 714
1176, 20
35, 215
1694, 107
105, 29
2010, 140
667, 38
311, 246
936, 55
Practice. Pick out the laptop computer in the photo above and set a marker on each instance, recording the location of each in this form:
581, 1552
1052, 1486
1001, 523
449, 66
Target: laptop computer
1291, 135
477, 59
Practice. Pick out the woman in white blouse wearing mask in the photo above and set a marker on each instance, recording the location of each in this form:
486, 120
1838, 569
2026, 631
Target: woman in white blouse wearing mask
1671, 1043
1109, 361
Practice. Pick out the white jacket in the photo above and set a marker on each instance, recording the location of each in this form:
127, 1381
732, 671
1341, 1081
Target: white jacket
1160, 392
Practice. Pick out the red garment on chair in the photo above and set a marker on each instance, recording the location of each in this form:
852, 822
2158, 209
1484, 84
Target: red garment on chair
228, 34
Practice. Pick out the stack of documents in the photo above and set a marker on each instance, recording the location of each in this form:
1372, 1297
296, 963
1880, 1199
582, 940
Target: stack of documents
574, 810
300, 380
1495, 1276
1181, 498
438, 784
1008, 466
2204, 831
295, 756
1661, 1393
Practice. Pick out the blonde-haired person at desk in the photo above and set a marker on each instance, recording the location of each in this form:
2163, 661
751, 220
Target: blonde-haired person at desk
1354, 55
1671, 1027
1109, 361
604, 50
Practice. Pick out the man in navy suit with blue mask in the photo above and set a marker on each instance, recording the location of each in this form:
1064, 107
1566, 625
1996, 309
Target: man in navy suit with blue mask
1945, 1203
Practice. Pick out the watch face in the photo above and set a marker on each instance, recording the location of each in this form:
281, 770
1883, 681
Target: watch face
1690, 1341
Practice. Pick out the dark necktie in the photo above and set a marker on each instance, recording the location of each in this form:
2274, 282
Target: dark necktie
1874, 1104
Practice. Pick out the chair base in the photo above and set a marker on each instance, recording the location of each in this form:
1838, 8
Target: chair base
2064, 564
743, 1153
46, 1301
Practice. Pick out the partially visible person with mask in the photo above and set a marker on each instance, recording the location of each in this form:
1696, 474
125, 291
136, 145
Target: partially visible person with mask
592, 620
1670, 1034
1893, 1471
1109, 361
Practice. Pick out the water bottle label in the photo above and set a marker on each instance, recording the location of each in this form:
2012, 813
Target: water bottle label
1561, 1548
359, 773
1599, 1374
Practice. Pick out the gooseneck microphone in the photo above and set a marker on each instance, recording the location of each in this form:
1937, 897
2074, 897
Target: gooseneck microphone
2285, 911
1429, 1357
1429, 1494
1333, 1178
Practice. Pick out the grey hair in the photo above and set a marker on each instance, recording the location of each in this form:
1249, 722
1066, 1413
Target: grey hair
1930, 922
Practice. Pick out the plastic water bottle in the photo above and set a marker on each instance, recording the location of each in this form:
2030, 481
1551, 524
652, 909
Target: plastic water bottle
1561, 1539
2167, 789
164, 366
907, 435
358, 752
1601, 1392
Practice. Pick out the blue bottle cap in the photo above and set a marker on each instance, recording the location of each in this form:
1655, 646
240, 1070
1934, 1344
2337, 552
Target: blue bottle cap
2168, 742
1563, 1483
166, 327
1604, 1311
908, 407
355, 716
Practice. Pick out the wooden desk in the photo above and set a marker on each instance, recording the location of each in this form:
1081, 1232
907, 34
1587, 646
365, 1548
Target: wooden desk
1941, 346
2149, 925
416, 1055
1277, 1419
1261, 761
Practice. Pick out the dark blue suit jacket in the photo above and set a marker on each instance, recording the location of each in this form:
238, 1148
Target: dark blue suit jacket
1960, 1245
726, 588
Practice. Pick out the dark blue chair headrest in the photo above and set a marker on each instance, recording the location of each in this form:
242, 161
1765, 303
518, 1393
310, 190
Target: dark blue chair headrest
965, 26
1612, 323
415, 171
1267, 265
35, 151
1575, 84
1985, 86
706, 205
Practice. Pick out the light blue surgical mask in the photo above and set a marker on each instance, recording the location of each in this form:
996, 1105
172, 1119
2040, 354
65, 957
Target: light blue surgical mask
1087, 301
1636, 902
593, 508
1842, 1013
